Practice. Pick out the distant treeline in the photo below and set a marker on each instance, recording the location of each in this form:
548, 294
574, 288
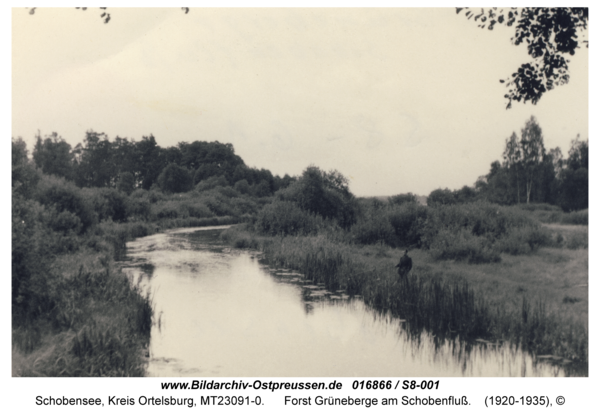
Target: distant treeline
128, 164
528, 173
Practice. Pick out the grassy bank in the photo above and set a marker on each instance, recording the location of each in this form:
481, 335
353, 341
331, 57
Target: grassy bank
538, 301
92, 321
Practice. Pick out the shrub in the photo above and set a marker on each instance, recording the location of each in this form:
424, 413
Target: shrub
211, 183
323, 193
65, 196
217, 203
139, 209
227, 191
286, 218
196, 209
538, 207
166, 209
244, 205
372, 230
577, 241
108, 203
450, 245
575, 218
65, 222
407, 221
242, 186
480, 219
402, 199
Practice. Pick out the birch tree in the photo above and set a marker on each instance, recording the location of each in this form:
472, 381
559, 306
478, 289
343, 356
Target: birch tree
532, 152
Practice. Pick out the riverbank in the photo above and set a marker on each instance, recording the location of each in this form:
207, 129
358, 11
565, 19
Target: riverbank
537, 301
94, 321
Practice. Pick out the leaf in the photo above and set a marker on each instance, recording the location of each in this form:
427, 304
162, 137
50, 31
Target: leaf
502, 81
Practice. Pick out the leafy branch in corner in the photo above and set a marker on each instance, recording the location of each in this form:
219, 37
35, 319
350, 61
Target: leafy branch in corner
550, 34
104, 15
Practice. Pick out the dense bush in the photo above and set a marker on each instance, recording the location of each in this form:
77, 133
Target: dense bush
407, 221
373, 230
195, 209
402, 199
108, 203
286, 218
217, 203
539, 207
323, 193
523, 240
481, 231
575, 218
440, 197
139, 209
463, 245
242, 186
211, 183
65, 196
166, 209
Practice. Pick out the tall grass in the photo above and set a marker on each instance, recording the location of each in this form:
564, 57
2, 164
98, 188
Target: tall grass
424, 300
96, 326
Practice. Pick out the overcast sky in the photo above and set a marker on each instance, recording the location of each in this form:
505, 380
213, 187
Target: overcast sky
398, 100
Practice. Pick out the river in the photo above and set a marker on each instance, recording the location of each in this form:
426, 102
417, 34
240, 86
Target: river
221, 312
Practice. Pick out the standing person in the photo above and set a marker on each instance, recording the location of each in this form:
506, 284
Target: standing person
404, 265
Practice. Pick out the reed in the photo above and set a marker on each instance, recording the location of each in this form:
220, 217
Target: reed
426, 300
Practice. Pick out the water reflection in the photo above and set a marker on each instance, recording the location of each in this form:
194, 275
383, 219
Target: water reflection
220, 312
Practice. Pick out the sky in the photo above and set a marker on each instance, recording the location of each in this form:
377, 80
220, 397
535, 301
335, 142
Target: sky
398, 100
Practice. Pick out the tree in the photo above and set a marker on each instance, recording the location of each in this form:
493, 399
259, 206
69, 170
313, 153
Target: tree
149, 163
578, 154
556, 157
126, 183
532, 152
465, 195
175, 179
525, 156
512, 159
550, 35
24, 175
323, 193
574, 185
53, 156
96, 166
440, 196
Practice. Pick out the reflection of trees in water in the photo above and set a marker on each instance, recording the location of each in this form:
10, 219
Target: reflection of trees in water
147, 270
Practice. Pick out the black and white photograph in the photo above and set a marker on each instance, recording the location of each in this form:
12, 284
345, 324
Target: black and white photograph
358, 193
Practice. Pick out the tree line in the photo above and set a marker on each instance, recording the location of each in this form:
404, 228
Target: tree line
529, 173
128, 164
